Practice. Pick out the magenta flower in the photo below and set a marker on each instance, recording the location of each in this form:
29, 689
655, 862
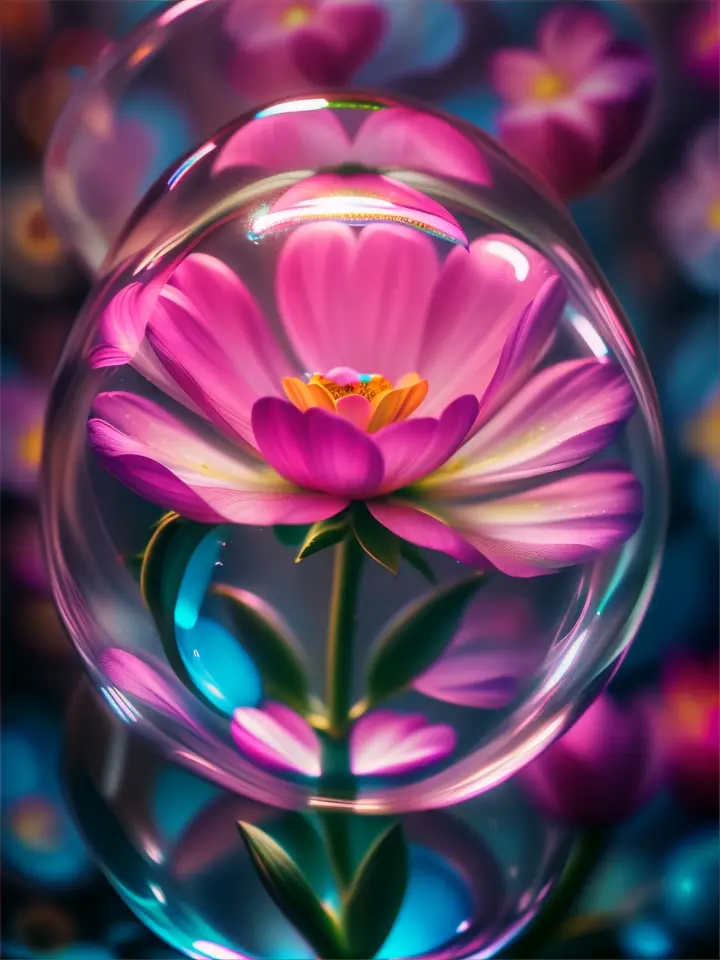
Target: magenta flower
282, 45
23, 417
462, 337
392, 138
496, 647
603, 769
382, 743
574, 106
689, 211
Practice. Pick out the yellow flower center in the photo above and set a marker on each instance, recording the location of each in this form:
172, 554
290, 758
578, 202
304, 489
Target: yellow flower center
703, 433
713, 216
296, 16
369, 386
548, 86
384, 404
30, 446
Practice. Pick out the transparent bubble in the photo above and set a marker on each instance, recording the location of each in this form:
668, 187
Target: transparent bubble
168, 842
353, 485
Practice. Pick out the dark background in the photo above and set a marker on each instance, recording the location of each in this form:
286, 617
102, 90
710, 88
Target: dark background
54, 902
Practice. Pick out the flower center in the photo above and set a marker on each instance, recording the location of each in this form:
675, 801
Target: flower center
367, 385
713, 216
548, 86
296, 16
368, 400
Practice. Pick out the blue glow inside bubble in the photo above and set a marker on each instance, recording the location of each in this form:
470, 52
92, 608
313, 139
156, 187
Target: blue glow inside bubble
178, 797
196, 580
437, 903
219, 666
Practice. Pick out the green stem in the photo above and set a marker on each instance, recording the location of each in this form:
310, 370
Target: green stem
341, 628
336, 830
583, 860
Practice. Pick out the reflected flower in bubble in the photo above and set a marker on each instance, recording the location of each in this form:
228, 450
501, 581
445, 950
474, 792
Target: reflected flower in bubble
496, 647
603, 769
447, 479
23, 413
688, 211
574, 105
690, 724
392, 138
700, 42
382, 742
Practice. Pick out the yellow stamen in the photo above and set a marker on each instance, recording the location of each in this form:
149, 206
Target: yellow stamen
30, 446
297, 16
369, 389
548, 86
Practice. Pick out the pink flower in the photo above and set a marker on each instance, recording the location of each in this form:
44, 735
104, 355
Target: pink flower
603, 769
574, 106
391, 138
282, 45
461, 337
689, 211
23, 421
382, 743
690, 726
495, 648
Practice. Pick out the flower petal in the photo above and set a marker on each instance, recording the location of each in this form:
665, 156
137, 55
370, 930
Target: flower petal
425, 530
287, 141
387, 743
356, 299
277, 737
122, 327
617, 78
397, 405
163, 460
355, 408
573, 40
525, 344
213, 340
562, 416
416, 447
339, 39
402, 138
317, 450
477, 299
152, 684
306, 395
514, 72
498, 645
560, 524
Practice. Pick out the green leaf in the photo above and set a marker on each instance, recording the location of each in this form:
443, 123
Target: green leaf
414, 556
165, 561
288, 888
321, 535
271, 645
414, 640
376, 894
291, 535
376, 540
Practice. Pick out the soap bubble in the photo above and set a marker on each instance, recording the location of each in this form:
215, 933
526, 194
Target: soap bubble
354, 485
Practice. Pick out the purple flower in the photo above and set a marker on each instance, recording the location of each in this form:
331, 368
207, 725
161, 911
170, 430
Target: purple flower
462, 338
602, 770
689, 211
574, 106
23, 416
382, 742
